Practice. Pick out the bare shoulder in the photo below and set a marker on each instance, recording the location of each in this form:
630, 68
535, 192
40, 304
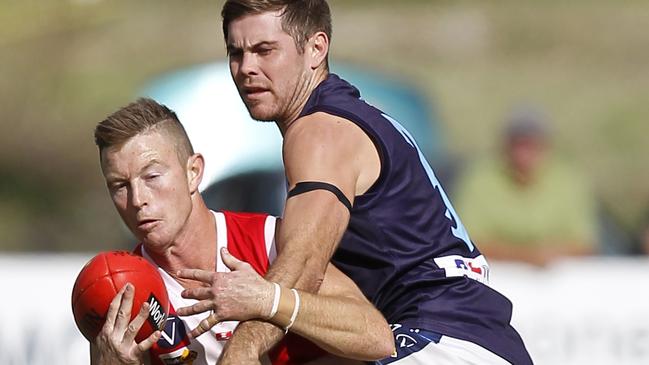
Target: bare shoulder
321, 144
323, 130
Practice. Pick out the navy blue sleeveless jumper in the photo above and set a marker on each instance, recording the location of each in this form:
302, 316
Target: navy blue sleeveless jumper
405, 246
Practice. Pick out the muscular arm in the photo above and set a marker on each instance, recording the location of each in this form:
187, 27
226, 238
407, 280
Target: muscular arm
298, 265
339, 318
341, 321
322, 148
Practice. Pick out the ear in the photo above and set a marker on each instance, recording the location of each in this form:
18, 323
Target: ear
195, 168
317, 48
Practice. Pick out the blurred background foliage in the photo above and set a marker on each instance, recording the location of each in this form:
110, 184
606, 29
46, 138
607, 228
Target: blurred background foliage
64, 65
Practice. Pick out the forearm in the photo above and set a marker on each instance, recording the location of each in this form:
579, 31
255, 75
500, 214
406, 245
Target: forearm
306, 240
258, 337
251, 339
343, 326
305, 245
339, 318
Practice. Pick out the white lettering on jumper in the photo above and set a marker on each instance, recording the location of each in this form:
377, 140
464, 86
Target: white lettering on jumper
456, 265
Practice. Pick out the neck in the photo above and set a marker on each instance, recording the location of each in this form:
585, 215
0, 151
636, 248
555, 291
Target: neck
193, 248
302, 94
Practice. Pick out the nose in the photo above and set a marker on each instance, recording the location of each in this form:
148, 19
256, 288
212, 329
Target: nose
138, 196
248, 66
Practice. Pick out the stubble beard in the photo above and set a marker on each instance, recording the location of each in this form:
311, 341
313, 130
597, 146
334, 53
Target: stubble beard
287, 108
262, 116
295, 102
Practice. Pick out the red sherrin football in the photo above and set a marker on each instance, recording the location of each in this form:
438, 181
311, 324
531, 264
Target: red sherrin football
100, 280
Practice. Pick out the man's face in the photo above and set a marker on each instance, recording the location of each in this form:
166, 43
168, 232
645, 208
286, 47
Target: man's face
149, 187
266, 66
525, 154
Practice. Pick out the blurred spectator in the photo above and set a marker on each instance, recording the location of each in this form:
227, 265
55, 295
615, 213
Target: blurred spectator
526, 205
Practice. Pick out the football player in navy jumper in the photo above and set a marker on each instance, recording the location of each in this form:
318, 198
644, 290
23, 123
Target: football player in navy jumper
362, 195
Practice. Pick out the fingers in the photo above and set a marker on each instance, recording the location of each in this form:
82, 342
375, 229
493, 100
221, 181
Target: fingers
196, 274
124, 312
200, 307
232, 262
113, 308
146, 344
197, 293
135, 325
205, 325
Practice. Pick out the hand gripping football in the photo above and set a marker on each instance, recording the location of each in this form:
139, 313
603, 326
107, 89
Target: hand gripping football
100, 280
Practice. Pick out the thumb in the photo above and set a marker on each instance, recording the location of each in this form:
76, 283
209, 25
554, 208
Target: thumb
230, 261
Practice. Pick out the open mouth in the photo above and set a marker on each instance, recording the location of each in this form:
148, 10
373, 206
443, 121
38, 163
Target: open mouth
252, 92
146, 224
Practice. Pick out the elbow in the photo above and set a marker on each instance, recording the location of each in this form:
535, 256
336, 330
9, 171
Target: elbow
388, 348
381, 340
384, 345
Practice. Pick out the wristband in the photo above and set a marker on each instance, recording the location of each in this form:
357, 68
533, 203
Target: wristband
285, 308
296, 308
278, 293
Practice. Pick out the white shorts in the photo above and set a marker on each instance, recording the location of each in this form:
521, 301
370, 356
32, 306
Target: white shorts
421, 347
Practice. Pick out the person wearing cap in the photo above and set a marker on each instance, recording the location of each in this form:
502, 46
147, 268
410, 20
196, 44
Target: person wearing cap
527, 205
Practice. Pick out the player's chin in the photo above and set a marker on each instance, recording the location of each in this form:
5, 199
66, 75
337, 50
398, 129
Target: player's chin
262, 113
154, 241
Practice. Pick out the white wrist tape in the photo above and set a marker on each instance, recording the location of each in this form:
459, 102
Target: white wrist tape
295, 309
278, 293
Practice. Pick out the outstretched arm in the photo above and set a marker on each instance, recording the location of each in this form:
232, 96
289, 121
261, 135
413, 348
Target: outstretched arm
338, 319
342, 321
322, 148
300, 264
318, 147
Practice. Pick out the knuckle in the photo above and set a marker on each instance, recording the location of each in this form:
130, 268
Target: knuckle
113, 341
102, 337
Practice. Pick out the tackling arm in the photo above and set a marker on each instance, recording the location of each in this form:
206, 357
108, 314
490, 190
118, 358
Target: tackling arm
322, 148
339, 319
342, 321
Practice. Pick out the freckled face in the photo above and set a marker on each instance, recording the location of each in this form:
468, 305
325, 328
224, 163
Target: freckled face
266, 66
149, 187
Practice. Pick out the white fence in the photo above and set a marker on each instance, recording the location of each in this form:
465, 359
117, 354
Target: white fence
575, 312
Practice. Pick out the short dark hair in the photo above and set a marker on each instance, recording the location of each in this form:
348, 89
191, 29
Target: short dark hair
139, 117
527, 121
300, 18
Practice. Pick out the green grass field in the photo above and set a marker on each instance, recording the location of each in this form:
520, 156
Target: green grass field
64, 65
